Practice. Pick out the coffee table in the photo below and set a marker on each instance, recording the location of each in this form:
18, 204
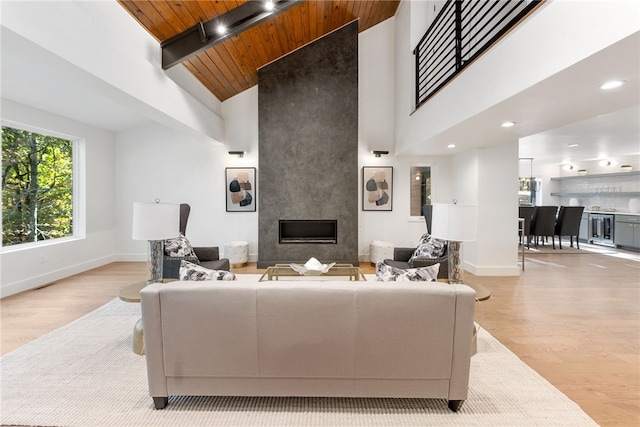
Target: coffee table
285, 270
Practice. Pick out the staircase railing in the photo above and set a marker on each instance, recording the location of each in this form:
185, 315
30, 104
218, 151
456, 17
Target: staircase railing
462, 31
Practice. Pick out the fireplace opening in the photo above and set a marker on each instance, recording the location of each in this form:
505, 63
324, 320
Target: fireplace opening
308, 231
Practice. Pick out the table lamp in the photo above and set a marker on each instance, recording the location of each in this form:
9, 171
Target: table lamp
155, 222
454, 223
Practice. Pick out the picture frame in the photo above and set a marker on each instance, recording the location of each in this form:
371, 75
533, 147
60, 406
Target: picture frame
240, 189
377, 188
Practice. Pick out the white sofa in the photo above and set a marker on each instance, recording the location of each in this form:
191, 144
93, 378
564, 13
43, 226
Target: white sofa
308, 338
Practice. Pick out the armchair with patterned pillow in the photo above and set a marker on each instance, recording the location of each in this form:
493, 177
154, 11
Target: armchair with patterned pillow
429, 251
178, 249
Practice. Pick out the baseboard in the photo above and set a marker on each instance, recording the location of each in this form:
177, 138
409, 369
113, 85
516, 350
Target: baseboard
45, 279
494, 270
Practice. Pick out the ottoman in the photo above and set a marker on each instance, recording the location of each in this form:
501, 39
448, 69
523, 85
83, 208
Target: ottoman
379, 251
237, 252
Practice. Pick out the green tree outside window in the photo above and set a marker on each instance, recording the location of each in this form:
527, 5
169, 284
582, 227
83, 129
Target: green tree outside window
37, 187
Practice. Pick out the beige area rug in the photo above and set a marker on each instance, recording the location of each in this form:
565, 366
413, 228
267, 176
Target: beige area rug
85, 374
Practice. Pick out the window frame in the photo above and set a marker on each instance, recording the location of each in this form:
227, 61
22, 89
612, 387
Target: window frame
78, 169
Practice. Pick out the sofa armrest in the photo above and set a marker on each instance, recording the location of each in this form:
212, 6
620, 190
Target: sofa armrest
171, 265
219, 264
403, 254
462, 342
151, 319
207, 254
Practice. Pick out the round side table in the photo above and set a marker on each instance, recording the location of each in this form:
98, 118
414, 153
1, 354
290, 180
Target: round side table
131, 293
379, 251
237, 252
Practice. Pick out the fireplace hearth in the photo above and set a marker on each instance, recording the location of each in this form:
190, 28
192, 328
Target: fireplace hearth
308, 231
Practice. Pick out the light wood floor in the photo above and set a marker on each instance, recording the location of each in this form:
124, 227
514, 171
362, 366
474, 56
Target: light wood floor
574, 318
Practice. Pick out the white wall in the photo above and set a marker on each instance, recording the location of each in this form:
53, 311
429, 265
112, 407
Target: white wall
157, 162
495, 251
117, 55
376, 87
24, 269
398, 226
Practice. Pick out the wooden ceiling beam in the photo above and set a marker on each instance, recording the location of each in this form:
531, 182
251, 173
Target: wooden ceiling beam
203, 36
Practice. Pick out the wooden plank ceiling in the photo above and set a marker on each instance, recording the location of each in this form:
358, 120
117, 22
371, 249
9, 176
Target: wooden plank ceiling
230, 67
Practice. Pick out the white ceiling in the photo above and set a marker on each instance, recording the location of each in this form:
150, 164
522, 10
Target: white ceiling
609, 135
566, 108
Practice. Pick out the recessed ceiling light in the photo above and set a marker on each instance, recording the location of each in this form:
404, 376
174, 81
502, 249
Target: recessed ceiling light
508, 124
573, 145
604, 163
612, 84
221, 29
268, 5
451, 146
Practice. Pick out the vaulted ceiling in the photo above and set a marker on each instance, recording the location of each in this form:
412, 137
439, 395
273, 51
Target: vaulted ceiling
231, 66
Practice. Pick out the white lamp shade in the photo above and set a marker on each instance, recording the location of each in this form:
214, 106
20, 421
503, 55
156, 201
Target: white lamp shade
456, 223
155, 221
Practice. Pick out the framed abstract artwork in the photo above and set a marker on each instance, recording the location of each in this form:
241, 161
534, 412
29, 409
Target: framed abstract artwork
377, 188
240, 189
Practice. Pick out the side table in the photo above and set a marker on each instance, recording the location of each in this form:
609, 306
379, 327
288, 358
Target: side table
131, 293
379, 251
482, 294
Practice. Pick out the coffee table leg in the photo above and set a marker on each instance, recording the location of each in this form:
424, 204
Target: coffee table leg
138, 338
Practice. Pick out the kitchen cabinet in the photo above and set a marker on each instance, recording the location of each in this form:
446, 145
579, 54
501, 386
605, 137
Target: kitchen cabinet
584, 227
627, 231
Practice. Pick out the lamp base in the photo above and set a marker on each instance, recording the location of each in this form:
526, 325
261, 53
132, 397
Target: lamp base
456, 274
156, 252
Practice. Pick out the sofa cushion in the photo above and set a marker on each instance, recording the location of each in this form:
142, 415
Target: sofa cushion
178, 246
428, 247
388, 273
191, 271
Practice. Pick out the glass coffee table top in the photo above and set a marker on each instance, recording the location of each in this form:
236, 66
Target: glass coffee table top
285, 270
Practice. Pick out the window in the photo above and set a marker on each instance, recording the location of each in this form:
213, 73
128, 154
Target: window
37, 187
420, 188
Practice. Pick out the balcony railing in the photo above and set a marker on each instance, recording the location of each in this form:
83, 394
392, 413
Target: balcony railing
462, 31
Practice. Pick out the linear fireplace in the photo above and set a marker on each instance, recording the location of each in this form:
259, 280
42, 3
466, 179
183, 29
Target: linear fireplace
308, 231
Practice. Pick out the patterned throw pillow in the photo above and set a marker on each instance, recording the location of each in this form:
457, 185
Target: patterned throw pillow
428, 247
191, 271
387, 273
178, 246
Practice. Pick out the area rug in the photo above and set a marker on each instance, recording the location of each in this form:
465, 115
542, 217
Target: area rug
85, 374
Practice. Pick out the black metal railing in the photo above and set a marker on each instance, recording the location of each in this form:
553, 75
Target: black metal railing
462, 30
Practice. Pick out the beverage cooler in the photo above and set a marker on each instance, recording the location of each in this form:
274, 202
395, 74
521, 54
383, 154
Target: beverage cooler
601, 229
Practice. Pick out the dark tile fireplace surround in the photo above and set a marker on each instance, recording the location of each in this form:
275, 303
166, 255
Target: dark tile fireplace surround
308, 164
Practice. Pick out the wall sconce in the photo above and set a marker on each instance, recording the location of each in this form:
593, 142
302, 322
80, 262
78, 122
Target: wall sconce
379, 153
604, 163
237, 153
